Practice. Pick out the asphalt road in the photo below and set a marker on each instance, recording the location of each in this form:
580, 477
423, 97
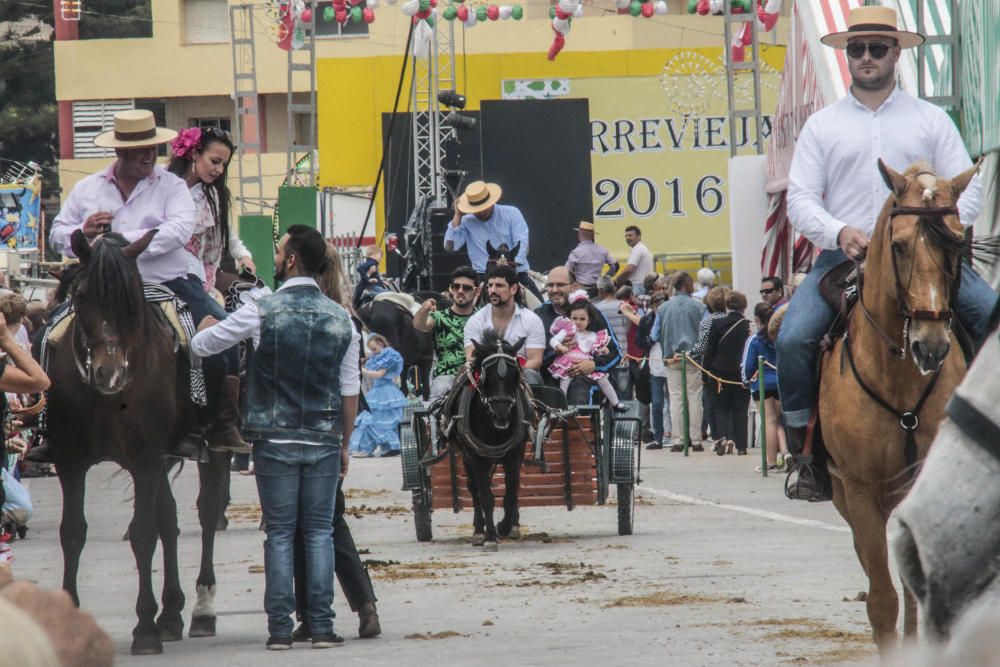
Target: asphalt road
721, 570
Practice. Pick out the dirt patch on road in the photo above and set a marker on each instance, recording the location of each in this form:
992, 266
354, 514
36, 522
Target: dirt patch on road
850, 646
662, 599
555, 575
446, 634
354, 494
361, 511
392, 570
243, 513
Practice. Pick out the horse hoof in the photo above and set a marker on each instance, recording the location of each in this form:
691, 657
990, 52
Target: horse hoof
171, 631
478, 539
202, 626
491, 546
147, 646
222, 524
515, 533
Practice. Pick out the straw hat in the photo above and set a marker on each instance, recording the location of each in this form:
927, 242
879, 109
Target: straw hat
585, 226
135, 128
479, 196
872, 22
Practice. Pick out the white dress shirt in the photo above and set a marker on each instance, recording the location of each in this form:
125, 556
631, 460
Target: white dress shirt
524, 323
244, 323
642, 260
834, 179
161, 201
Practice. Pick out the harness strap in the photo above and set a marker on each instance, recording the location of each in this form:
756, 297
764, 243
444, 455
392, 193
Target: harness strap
974, 424
909, 421
894, 350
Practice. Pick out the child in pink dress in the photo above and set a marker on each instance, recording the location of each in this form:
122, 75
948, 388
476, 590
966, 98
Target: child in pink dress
576, 339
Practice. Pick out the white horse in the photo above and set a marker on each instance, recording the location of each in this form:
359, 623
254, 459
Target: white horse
948, 547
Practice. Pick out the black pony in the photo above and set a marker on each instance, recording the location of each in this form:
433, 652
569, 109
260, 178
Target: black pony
493, 413
120, 393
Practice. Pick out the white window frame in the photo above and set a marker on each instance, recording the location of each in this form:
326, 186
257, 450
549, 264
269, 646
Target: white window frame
90, 118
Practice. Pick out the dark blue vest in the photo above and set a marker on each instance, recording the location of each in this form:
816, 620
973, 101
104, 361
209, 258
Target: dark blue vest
294, 375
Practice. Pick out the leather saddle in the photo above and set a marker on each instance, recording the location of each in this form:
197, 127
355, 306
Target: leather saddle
839, 288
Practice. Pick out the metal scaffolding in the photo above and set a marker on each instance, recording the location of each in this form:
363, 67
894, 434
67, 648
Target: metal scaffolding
246, 113
433, 70
733, 70
302, 116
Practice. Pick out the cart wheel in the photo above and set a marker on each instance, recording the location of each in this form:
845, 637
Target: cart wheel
626, 508
422, 517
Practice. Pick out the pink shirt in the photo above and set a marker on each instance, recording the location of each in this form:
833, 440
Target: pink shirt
161, 201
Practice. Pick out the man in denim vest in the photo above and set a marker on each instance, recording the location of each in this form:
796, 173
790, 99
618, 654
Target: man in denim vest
301, 404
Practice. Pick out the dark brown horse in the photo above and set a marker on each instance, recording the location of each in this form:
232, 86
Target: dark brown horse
120, 393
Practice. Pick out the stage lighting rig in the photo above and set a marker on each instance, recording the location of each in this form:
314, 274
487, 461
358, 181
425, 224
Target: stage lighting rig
452, 99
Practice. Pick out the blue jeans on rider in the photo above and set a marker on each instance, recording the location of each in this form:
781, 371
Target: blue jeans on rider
297, 484
809, 317
191, 291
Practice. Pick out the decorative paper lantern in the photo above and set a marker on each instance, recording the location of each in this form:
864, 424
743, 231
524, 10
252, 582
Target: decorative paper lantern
371, 3
481, 13
411, 7
635, 8
423, 5
368, 14
578, 12
356, 15
328, 14
560, 25
660, 7
622, 4
450, 13
647, 9
471, 20
493, 12
567, 6
552, 12
505, 11
516, 12
306, 16
342, 16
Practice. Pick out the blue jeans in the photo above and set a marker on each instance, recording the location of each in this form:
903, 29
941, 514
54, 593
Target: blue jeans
658, 390
809, 317
297, 484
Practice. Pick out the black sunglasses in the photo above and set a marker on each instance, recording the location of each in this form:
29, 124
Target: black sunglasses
765, 292
459, 287
218, 133
857, 50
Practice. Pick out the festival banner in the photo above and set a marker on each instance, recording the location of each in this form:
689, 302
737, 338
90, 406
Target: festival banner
659, 151
20, 211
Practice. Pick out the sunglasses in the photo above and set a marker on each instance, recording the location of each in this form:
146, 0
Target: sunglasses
459, 287
765, 292
857, 50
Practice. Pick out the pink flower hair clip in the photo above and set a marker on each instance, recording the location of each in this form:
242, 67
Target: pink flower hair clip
187, 142
578, 295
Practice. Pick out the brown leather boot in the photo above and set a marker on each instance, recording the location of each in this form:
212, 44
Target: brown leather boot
224, 433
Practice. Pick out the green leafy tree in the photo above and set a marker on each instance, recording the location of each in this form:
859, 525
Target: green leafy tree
116, 19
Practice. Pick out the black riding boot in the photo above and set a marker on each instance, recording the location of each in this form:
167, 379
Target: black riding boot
808, 479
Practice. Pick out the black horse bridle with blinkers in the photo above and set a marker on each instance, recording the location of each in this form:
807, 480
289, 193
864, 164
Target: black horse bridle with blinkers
86, 367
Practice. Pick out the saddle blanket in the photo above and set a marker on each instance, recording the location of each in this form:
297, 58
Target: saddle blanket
177, 313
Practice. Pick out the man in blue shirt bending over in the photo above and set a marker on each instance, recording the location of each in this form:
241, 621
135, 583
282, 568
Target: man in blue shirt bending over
478, 219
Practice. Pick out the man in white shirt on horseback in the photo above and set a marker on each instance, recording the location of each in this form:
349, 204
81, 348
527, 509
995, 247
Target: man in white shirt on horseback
835, 193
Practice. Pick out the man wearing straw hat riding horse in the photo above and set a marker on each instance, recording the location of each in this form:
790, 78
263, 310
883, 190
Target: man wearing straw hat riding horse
480, 219
835, 194
132, 196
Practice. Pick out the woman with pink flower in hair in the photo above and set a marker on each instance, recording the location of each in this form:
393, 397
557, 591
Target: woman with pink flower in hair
201, 157
578, 338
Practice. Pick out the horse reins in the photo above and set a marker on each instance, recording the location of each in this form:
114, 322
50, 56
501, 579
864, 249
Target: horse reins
484, 449
909, 420
86, 367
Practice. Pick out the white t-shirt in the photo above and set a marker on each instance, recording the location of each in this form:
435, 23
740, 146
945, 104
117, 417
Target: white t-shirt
524, 324
642, 260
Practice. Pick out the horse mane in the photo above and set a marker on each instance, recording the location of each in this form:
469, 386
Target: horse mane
110, 283
488, 346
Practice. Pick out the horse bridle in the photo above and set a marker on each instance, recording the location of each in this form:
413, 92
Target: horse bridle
86, 366
500, 359
905, 311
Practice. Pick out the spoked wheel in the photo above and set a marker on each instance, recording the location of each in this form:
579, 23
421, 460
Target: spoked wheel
422, 517
626, 508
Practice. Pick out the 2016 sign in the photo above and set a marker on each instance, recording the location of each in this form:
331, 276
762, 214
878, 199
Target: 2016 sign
642, 197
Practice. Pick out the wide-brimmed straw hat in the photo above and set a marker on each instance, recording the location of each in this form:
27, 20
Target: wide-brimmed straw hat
479, 196
585, 226
135, 128
873, 22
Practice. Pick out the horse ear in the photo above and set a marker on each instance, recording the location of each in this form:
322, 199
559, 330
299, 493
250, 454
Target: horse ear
490, 250
513, 251
519, 343
893, 180
81, 247
960, 182
134, 249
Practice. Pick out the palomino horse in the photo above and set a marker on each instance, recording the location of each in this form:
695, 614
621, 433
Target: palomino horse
120, 394
949, 533
878, 410
487, 423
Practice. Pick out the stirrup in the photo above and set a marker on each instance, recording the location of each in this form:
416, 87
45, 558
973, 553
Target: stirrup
806, 485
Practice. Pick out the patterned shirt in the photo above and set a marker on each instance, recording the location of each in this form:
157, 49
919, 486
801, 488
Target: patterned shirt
449, 332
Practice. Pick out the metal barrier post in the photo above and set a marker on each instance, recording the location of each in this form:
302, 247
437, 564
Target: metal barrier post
763, 420
685, 419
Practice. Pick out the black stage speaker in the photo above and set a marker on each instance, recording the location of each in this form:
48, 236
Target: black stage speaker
539, 153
